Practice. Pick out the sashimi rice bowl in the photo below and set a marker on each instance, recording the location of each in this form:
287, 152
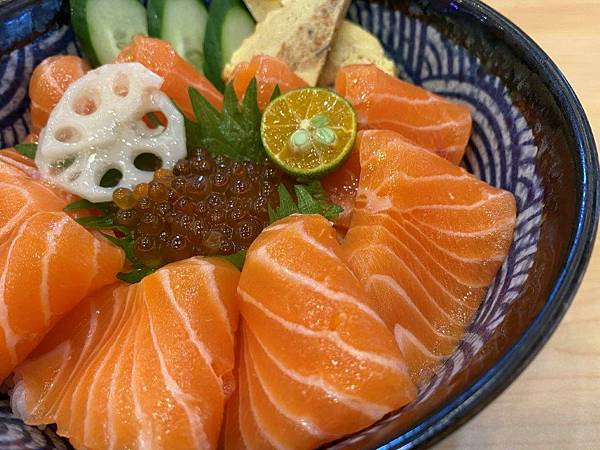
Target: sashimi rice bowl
259, 224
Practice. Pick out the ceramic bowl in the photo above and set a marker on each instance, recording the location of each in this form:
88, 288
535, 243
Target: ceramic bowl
530, 136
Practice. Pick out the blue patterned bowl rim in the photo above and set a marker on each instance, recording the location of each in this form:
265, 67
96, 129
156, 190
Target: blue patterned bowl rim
489, 385
493, 382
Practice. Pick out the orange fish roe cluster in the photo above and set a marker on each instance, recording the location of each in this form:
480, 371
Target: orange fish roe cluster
205, 206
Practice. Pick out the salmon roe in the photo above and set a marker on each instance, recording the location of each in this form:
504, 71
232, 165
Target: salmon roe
205, 206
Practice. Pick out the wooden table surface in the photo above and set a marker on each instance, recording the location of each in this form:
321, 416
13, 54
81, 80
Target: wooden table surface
555, 403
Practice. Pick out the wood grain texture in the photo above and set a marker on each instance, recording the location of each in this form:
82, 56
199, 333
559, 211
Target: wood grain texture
555, 403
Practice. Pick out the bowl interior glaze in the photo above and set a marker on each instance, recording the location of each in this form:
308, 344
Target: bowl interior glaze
530, 136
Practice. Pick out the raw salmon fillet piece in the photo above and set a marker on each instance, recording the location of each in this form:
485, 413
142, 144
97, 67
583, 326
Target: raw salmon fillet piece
269, 72
16, 164
426, 240
47, 265
49, 81
382, 101
21, 197
139, 366
316, 362
179, 75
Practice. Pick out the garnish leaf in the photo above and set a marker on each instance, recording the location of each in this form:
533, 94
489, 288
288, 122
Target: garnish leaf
332, 212
307, 203
234, 132
105, 207
286, 207
139, 270
100, 223
212, 130
329, 210
193, 133
126, 243
237, 259
95, 221
276, 93
315, 188
28, 150
135, 275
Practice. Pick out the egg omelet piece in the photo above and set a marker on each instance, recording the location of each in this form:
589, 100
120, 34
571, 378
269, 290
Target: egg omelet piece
300, 33
351, 45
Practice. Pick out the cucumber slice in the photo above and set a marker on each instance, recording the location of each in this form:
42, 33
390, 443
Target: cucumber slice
182, 23
105, 27
229, 23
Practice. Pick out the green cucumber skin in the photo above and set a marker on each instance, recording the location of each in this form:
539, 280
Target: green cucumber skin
85, 27
213, 55
79, 22
162, 21
156, 11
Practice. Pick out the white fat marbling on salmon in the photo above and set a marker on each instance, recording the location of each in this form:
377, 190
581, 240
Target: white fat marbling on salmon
10, 336
260, 427
404, 338
508, 223
112, 392
370, 409
305, 423
402, 296
51, 242
332, 336
144, 436
182, 398
215, 293
19, 402
360, 254
390, 123
80, 389
262, 256
447, 207
165, 282
417, 242
25, 208
394, 97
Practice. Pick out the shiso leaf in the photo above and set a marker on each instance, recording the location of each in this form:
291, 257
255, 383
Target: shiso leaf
234, 132
307, 203
237, 259
105, 207
28, 150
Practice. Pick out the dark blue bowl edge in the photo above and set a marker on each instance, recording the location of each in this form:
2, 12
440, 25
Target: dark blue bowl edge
491, 384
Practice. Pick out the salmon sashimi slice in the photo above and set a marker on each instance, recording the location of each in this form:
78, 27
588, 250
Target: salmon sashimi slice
316, 362
139, 366
14, 163
23, 197
269, 72
48, 265
382, 101
426, 240
179, 75
49, 81
11, 166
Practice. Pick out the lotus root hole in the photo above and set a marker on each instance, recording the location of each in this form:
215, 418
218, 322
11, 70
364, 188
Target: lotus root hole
147, 162
155, 119
86, 104
67, 135
121, 85
111, 178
